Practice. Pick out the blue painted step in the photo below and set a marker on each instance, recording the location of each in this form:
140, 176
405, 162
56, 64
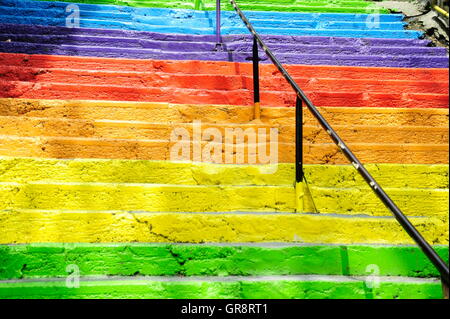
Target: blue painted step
203, 22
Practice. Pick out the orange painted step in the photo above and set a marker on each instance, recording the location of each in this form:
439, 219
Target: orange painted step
77, 82
231, 114
103, 129
67, 147
56, 127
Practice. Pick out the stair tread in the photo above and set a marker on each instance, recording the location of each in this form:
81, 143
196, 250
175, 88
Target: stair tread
117, 226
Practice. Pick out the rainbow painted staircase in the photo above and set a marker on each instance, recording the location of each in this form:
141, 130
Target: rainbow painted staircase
93, 204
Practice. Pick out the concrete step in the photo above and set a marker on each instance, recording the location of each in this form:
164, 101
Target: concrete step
264, 287
137, 48
217, 198
312, 134
198, 22
50, 83
22, 170
81, 147
215, 82
190, 26
75, 226
95, 129
404, 61
302, 6
63, 90
220, 68
266, 259
218, 114
195, 21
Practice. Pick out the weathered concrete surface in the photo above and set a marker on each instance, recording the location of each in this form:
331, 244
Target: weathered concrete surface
163, 172
232, 114
60, 127
64, 147
21, 78
51, 260
95, 129
419, 16
221, 198
278, 287
186, 22
356, 6
25, 226
36, 39
221, 68
190, 188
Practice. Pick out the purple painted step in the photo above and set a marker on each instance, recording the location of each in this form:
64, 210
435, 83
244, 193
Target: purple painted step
291, 50
236, 46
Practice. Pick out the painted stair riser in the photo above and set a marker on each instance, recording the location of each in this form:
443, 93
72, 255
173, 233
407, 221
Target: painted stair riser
141, 48
52, 71
139, 26
283, 288
416, 61
114, 111
243, 38
63, 90
316, 6
229, 20
182, 43
51, 260
18, 226
176, 198
189, 22
215, 82
65, 147
220, 68
313, 134
161, 172
182, 93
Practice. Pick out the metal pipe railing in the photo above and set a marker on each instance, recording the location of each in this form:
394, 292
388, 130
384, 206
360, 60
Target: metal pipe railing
437, 261
218, 11
438, 7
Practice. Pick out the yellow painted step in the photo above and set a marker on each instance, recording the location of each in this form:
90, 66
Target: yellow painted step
23, 169
36, 226
228, 198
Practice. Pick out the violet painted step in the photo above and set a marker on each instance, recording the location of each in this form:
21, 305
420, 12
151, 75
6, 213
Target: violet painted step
243, 45
144, 45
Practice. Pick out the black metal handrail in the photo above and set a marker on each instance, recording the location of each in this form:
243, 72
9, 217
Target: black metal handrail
437, 261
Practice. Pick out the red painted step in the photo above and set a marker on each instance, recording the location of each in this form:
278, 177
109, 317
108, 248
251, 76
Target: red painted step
50, 77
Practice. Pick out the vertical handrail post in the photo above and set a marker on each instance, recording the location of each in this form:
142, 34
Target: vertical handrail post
256, 95
299, 154
218, 36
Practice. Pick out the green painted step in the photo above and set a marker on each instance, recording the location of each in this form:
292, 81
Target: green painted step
53, 260
273, 287
338, 6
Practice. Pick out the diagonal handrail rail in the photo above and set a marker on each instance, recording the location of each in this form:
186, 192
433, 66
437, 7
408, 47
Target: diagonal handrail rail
437, 261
